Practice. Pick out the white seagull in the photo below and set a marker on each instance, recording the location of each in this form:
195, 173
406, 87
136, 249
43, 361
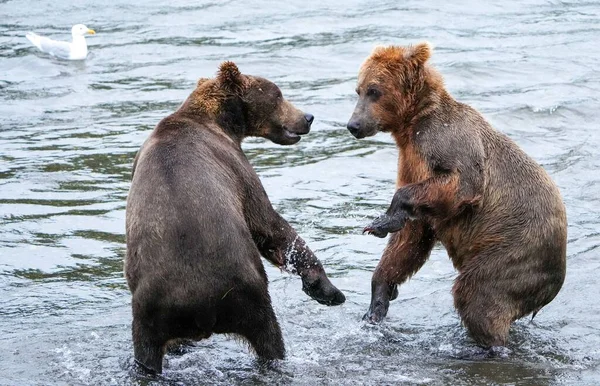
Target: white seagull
76, 50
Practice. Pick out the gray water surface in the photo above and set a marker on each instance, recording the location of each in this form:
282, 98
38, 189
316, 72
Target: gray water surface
69, 132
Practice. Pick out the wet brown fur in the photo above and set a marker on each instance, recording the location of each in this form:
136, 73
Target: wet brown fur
496, 211
198, 220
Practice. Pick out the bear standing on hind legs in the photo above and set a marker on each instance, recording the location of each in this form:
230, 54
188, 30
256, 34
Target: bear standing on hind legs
460, 182
198, 221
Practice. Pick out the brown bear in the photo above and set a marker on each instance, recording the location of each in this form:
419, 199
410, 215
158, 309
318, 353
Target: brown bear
460, 182
198, 220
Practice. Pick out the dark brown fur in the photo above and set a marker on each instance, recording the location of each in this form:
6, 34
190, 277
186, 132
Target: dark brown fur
496, 211
198, 220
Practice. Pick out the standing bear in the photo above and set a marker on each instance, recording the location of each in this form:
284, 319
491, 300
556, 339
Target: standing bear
460, 182
198, 220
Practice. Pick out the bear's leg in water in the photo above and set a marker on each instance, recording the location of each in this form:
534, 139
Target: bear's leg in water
485, 307
405, 254
261, 329
148, 344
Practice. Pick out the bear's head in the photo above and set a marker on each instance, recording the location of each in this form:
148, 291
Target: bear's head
246, 105
394, 84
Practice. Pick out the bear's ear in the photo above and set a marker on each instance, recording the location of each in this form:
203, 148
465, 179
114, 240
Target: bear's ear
420, 53
202, 81
230, 77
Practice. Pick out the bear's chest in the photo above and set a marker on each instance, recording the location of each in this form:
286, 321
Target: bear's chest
412, 167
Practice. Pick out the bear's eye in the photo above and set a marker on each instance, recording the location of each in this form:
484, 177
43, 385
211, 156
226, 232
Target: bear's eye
371, 91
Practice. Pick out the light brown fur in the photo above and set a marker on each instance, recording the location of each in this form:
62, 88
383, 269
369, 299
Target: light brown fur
498, 214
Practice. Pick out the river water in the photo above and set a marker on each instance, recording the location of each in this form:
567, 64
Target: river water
69, 132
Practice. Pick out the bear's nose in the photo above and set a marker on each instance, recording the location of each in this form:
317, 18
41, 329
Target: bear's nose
353, 127
309, 118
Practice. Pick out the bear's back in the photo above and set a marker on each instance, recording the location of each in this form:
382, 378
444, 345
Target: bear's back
186, 198
519, 201
510, 175
515, 179
189, 167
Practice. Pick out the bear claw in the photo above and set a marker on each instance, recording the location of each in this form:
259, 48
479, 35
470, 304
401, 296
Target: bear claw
374, 231
384, 224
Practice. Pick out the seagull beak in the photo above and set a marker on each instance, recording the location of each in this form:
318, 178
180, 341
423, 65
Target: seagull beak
91, 32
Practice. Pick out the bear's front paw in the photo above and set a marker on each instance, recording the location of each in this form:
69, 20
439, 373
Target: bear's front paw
376, 313
375, 231
323, 291
385, 224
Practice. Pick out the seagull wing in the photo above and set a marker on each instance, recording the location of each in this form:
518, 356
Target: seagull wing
52, 47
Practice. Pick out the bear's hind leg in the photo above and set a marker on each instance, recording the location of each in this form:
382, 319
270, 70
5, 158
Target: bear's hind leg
485, 310
148, 346
487, 330
259, 325
264, 334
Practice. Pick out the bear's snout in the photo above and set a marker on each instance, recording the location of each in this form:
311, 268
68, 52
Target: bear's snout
302, 126
309, 119
354, 127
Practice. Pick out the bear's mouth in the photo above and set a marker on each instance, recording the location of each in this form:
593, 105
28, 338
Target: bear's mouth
291, 134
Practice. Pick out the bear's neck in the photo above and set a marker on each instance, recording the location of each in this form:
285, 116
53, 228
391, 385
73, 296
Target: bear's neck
226, 112
231, 118
428, 100
427, 106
